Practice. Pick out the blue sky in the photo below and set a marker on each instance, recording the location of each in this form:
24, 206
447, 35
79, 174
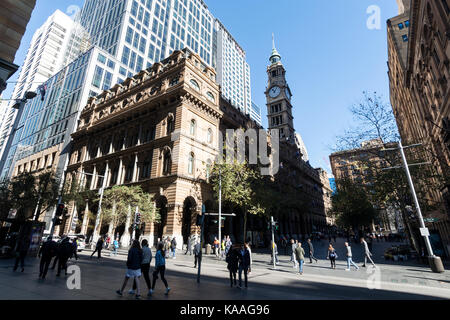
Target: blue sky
330, 55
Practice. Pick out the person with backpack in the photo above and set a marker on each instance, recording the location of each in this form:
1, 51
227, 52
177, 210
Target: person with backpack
160, 268
173, 246
332, 255
134, 262
300, 256
232, 260
46, 253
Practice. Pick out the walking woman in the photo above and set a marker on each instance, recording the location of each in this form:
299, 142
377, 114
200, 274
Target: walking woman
232, 265
160, 267
134, 262
332, 255
145, 267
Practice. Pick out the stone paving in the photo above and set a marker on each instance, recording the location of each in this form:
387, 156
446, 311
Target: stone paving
100, 279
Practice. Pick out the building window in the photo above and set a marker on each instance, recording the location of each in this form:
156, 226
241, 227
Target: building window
210, 136
195, 84
210, 97
191, 163
405, 38
401, 26
97, 77
147, 168
167, 164
407, 23
192, 127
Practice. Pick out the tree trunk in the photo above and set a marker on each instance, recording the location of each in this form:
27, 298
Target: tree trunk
245, 225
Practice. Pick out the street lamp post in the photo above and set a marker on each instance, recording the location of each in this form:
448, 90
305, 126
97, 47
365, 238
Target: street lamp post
220, 211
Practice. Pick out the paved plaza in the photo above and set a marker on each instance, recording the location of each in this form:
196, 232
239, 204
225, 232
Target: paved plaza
100, 279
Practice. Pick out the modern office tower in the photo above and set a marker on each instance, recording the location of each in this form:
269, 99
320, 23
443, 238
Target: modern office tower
43, 131
233, 72
255, 113
47, 54
301, 146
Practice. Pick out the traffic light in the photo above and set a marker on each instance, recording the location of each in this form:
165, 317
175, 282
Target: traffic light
60, 210
58, 221
138, 218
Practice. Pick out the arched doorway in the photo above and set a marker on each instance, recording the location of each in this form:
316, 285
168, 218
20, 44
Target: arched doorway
189, 207
161, 205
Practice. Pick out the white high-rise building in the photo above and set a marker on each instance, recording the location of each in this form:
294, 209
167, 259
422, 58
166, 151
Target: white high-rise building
47, 54
126, 36
233, 71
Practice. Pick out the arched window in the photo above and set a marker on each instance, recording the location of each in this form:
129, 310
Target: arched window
191, 163
210, 136
170, 124
208, 169
194, 84
210, 96
193, 127
167, 164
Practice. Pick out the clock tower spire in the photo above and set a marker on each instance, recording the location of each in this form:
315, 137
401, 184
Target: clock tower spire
278, 96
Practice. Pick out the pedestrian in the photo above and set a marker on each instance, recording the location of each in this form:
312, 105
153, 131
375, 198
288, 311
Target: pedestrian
273, 250
367, 253
57, 247
228, 245
145, 267
300, 256
189, 246
166, 247
332, 255
64, 253
349, 258
244, 264
46, 253
108, 241
311, 252
334, 238
173, 246
232, 261
216, 246
115, 246
134, 262
74, 249
197, 251
160, 268
293, 259
98, 248
248, 246
21, 252
223, 248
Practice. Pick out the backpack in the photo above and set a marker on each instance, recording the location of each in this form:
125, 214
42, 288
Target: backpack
333, 254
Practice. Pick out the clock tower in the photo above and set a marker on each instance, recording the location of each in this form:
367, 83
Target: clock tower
278, 96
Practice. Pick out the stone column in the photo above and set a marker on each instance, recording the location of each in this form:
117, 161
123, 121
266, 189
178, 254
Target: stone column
111, 223
135, 168
111, 144
119, 174
94, 174
85, 219
125, 240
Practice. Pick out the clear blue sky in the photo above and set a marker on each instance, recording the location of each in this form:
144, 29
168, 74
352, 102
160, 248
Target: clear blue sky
330, 55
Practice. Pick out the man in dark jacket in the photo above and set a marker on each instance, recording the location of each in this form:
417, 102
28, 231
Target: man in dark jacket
21, 252
64, 253
46, 253
244, 264
311, 252
197, 249
98, 248
173, 246
232, 260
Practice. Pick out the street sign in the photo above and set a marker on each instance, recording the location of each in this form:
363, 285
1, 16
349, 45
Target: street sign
424, 232
431, 219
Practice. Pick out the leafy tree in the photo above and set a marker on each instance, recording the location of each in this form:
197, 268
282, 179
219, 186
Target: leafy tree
352, 206
118, 199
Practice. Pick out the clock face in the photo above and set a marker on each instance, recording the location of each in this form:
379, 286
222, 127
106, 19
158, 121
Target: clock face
288, 94
274, 92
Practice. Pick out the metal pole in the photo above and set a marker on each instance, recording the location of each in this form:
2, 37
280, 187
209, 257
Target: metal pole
273, 242
413, 191
135, 223
220, 211
97, 220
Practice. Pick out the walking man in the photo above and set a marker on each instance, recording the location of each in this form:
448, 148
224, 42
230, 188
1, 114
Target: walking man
46, 253
349, 258
311, 252
189, 245
244, 264
98, 248
197, 249
293, 258
64, 253
300, 256
173, 246
21, 252
274, 250
367, 253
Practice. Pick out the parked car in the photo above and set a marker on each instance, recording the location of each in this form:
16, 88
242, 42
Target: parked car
54, 238
81, 241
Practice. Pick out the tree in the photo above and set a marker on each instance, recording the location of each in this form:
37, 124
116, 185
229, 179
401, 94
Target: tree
237, 180
352, 206
118, 200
